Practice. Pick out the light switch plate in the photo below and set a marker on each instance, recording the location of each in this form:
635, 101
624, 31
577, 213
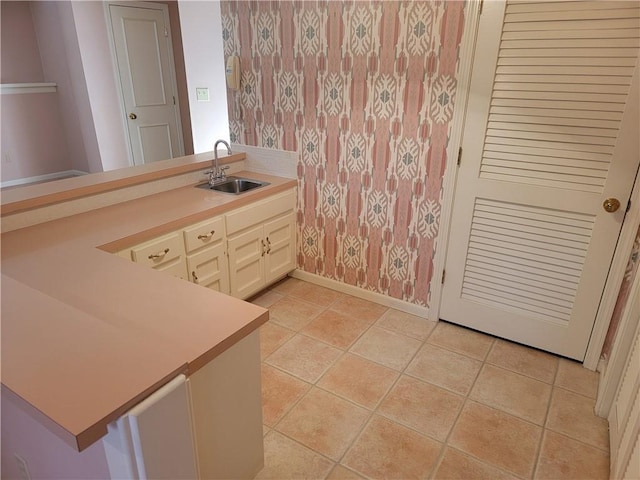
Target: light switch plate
202, 94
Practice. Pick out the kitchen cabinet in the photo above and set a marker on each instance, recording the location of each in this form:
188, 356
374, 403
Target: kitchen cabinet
237, 253
206, 258
165, 254
261, 243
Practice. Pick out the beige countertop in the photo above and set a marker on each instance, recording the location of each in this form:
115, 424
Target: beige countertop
86, 334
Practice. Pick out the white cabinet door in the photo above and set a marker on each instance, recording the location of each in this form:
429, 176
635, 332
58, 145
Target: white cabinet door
280, 255
551, 134
209, 268
246, 262
154, 440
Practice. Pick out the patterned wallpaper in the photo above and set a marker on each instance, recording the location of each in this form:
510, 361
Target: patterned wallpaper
623, 297
364, 91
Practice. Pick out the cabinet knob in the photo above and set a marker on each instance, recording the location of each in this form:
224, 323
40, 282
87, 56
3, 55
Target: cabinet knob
133, 116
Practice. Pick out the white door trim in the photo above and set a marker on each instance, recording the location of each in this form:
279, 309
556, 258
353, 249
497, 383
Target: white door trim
614, 280
172, 68
616, 364
467, 49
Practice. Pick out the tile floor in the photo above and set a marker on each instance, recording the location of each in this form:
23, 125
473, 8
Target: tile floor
352, 390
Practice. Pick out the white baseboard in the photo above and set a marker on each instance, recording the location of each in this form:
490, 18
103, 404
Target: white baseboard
42, 178
362, 293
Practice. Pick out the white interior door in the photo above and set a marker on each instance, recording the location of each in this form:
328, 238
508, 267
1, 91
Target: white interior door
551, 132
142, 47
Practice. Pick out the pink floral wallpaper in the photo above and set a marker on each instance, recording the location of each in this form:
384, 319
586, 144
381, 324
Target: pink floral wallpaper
364, 91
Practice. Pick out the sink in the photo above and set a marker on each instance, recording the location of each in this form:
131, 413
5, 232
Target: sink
235, 185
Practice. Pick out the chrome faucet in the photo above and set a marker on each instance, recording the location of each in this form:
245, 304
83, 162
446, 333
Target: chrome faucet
216, 174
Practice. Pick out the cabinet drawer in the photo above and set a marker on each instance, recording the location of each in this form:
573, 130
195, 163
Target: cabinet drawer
261, 211
158, 251
204, 233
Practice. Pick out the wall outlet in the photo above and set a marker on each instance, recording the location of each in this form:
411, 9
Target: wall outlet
202, 94
22, 467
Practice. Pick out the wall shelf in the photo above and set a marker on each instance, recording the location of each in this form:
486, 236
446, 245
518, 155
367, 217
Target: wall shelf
21, 88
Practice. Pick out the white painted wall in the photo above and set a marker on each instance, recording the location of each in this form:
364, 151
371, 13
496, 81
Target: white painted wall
104, 100
201, 24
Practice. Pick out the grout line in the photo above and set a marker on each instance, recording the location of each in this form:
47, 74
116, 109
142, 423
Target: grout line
372, 413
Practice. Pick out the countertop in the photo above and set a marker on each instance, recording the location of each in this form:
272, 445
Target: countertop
86, 334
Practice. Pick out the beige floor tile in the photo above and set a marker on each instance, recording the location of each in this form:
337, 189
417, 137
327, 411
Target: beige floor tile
456, 465
426, 408
462, 340
525, 360
280, 392
444, 368
285, 459
272, 336
573, 415
265, 430
293, 313
573, 376
387, 348
512, 393
324, 423
266, 298
336, 328
343, 473
315, 294
359, 308
497, 438
285, 285
388, 450
406, 324
567, 459
359, 380
304, 357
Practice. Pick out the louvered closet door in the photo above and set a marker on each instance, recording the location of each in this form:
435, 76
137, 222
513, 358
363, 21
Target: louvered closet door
551, 132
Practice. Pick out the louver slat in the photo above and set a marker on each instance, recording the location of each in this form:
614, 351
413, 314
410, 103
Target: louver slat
525, 258
562, 79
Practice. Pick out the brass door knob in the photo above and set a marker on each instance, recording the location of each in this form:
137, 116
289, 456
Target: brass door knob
133, 116
611, 204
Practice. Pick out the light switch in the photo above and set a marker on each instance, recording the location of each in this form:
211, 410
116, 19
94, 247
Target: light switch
202, 94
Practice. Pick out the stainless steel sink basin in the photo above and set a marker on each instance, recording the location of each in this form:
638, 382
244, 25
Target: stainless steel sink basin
235, 185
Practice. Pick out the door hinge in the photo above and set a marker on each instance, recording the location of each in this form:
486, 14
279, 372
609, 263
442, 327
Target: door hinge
443, 275
459, 155
174, 99
481, 4
628, 206
166, 32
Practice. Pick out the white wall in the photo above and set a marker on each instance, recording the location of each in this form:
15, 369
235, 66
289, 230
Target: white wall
104, 100
201, 24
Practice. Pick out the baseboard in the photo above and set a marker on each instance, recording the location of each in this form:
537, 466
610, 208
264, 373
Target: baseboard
42, 178
361, 293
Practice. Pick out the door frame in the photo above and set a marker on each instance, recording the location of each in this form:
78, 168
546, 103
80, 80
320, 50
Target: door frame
117, 75
627, 233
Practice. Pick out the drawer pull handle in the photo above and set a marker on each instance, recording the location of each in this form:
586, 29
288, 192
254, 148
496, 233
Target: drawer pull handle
207, 236
268, 245
263, 247
194, 276
157, 255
